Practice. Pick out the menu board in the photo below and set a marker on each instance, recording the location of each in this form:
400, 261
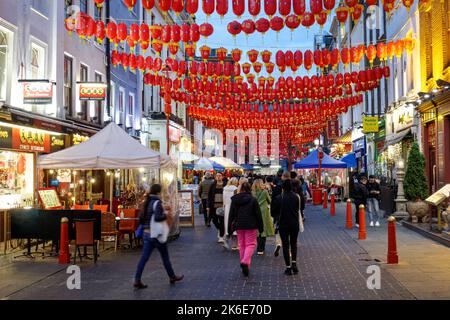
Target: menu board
49, 198
439, 196
186, 205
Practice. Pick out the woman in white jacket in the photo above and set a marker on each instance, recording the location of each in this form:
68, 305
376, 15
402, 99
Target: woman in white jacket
229, 191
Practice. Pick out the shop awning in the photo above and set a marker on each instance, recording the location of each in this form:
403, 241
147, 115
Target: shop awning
247, 166
350, 160
395, 138
206, 164
111, 148
346, 138
225, 162
312, 162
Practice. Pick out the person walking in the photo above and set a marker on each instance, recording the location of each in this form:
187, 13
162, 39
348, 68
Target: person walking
359, 196
373, 201
153, 206
297, 188
264, 200
276, 191
203, 192
242, 180
215, 201
286, 213
229, 191
246, 220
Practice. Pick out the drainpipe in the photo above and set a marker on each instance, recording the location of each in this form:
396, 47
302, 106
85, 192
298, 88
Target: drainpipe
108, 62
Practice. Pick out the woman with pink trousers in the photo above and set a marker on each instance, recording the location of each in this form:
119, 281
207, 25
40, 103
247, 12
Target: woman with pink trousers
246, 219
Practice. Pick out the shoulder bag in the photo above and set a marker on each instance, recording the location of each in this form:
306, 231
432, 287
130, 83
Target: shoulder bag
158, 230
300, 219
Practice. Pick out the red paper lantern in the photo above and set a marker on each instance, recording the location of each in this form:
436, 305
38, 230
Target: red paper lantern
173, 48
221, 54
321, 18
206, 29
99, 3
111, 31
388, 6
276, 24
208, 7
262, 25
371, 53
381, 51
299, 7
253, 55
341, 14
222, 7
177, 6
318, 58
185, 33
234, 28
130, 4
165, 5
357, 12
248, 26
195, 32
351, 3
254, 7
100, 31
156, 31
345, 56
270, 7
280, 58
144, 34
298, 58
329, 5
257, 66
148, 4
308, 19
190, 50
408, 4
270, 67
157, 45
266, 54
335, 57
315, 6
308, 59
386, 72
175, 33
288, 58
236, 55
205, 52
292, 21
192, 7
399, 47
238, 7
284, 7
166, 33
122, 31
326, 57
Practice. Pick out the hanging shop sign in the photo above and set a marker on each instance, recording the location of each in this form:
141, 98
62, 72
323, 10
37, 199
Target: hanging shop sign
359, 147
333, 129
92, 91
174, 135
370, 124
403, 118
37, 92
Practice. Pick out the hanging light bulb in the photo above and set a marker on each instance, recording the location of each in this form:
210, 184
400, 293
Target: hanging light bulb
108, 173
92, 180
141, 170
81, 181
51, 171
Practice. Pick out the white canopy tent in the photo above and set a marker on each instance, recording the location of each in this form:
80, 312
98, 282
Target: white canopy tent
225, 162
110, 148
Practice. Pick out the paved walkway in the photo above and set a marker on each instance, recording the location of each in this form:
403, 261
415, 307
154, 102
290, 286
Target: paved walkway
332, 266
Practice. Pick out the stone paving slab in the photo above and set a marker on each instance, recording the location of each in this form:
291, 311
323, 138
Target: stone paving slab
332, 266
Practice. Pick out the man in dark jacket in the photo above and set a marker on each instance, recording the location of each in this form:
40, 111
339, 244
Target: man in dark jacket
215, 201
373, 198
286, 213
359, 196
203, 192
246, 219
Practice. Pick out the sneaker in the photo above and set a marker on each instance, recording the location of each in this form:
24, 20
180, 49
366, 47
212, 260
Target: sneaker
260, 253
288, 271
235, 248
371, 223
139, 285
294, 268
220, 240
245, 270
277, 251
377, 224
176, 279
357, 225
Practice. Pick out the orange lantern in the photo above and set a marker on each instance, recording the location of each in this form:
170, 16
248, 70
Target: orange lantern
371, 53
399, 46
390, 49
156, 31
408, 4
381, 51
357, 12
409, 45
252, 55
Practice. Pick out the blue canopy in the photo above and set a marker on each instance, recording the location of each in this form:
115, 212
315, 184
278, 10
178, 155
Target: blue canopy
190, 166
247, 166
312, 162
350, 160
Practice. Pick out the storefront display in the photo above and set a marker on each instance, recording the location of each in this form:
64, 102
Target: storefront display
16, 179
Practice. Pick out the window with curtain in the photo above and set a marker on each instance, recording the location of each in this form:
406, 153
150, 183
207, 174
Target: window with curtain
68, 84
37, 62
3, 63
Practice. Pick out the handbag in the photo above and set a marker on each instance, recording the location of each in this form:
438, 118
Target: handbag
158, 229
300, 220
220, 212
139, 233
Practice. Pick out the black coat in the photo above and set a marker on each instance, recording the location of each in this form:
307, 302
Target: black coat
245, 213
286, 210
360, 194
375, 186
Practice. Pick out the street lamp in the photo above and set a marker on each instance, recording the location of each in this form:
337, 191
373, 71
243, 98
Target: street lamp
400, 201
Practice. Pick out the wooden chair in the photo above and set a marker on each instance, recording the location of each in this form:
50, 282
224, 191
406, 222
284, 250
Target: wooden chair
129, 226
109, 228
102, 207
84, 237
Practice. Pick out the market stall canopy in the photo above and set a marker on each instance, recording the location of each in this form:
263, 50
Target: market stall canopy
187, 156
225, 162
110, 148
206, 164
350, 160
247, 166
312, 162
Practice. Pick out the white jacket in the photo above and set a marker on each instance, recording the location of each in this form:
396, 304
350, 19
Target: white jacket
228, 192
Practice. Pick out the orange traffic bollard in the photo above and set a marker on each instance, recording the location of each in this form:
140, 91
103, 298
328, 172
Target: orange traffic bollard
64, 256
349, 224
392, 256
325, 199
362, 234
332, 208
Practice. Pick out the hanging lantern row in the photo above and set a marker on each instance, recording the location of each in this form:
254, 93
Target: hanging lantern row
351, 8
156, 35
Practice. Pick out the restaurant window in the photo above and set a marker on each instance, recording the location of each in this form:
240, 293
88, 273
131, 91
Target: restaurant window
84, 78
84, 6
5, 49
96, 110
68, 84
41, 6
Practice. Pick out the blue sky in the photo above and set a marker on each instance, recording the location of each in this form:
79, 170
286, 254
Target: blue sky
301, 39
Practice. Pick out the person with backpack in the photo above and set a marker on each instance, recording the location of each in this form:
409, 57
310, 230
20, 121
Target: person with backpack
246, 219
153, 209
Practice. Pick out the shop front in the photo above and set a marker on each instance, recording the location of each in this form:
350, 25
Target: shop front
359, 149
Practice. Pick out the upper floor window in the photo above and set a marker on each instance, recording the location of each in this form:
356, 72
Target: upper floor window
68, 83
98, 13
69, 9
4, 52
41, 6
37, 62
84, 6
131, 104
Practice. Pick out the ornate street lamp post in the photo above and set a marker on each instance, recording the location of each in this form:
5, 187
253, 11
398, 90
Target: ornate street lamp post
400, 201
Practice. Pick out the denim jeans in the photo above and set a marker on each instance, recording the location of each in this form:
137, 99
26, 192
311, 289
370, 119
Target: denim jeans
373, 209
149, 245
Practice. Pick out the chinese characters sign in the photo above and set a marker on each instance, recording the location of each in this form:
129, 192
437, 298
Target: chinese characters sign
37, 92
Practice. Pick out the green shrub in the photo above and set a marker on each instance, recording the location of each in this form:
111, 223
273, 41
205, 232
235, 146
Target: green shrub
416, 186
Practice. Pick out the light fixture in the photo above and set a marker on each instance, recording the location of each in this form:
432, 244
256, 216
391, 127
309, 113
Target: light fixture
141, 170
435, 90
92, 180
74, 173
108, 173
51, 171
419, 101
144, 179
81, 181
117, 174
401, 164
443, 84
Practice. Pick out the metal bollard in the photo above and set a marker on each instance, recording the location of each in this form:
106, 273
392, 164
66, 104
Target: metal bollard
64, 256
362, 234
392, 256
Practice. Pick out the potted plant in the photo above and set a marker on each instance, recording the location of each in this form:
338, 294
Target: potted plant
415, 184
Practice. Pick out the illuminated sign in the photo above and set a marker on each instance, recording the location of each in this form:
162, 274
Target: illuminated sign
37, 92
77, 139
174, 134
92, 91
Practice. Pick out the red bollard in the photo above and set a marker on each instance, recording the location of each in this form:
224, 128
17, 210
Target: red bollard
332, 208
349, 224
362, 234
64, 256
392, 257
325, 199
